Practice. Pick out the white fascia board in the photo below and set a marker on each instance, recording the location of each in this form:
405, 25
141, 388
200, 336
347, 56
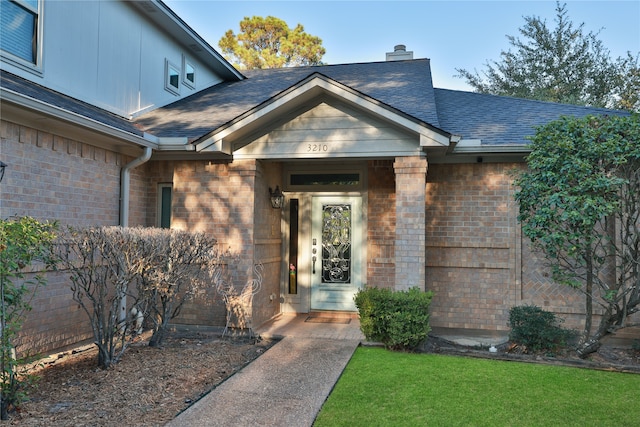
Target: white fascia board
170, 143
74, 118
213, 144
428, 137
433, 139
474, 146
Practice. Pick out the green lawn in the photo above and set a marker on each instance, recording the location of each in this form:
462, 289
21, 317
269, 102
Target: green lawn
384, 388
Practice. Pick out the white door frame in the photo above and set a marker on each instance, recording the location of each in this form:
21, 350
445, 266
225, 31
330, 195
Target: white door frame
301, 302
335, 291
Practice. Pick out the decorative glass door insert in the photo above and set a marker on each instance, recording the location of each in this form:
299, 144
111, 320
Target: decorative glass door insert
336, 243
336, 250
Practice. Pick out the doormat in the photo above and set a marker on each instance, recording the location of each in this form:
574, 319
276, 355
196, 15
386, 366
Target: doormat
342, 321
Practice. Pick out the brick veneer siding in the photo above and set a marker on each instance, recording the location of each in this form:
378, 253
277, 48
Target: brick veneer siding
231, 202
410, 222
268, 242
54, 178
471, 236
381, 227
538, 289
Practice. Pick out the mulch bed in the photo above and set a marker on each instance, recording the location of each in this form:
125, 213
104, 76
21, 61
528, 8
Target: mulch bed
609, 358
148, 387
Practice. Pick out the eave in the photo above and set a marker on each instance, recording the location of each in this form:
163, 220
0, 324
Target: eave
159, 13
31, 112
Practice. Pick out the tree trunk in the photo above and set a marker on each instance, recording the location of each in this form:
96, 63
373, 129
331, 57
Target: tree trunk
588, 317
593, 343
157, 337
4, 412
104, 359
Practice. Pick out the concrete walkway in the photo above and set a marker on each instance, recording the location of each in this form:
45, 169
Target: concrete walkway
288, 384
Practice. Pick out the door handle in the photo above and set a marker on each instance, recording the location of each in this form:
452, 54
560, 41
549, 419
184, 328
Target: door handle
314, 251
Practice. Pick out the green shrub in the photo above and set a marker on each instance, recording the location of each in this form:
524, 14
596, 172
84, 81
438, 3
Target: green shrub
398, 319
25, 245
536, 329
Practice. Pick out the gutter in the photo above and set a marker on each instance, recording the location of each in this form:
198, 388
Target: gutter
125, 179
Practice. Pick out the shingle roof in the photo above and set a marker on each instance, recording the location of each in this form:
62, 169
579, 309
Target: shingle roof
499, 120
403, 85
32, 90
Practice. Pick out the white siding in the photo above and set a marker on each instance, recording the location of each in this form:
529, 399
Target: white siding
106, 53
332, 131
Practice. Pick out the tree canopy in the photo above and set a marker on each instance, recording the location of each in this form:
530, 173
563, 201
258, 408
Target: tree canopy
579, 203
562, 64
270, 43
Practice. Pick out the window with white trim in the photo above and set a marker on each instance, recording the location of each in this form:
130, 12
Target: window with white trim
171, 77
189, 73
20, 31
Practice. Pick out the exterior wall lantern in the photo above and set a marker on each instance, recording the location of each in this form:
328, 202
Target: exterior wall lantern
3, 165
277, 198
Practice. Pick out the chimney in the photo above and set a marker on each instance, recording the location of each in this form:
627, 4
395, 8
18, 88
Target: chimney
399, 53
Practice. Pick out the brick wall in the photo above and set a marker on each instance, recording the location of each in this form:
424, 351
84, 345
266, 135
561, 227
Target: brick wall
410, 222
231, 202
268, 242
53, 178
471, 238
381, 227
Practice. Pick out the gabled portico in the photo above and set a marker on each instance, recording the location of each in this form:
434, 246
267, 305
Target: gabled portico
325, 139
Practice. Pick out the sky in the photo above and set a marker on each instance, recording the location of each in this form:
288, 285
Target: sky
453, 34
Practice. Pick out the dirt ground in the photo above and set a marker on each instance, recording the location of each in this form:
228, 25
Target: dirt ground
150, 386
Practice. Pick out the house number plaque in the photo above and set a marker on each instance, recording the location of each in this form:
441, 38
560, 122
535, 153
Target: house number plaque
317, 148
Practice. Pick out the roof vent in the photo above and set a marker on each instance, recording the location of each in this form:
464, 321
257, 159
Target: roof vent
399, 53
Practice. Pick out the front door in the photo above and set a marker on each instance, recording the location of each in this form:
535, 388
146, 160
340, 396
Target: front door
336, 248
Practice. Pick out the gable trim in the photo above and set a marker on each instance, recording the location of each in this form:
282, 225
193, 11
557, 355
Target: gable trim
312, 87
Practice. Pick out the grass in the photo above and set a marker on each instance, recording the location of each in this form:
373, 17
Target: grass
384, 388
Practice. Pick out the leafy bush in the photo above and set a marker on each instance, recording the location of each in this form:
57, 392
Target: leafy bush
24, 251
536, 329
398, 319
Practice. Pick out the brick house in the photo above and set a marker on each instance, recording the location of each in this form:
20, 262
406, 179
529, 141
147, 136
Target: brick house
387, 181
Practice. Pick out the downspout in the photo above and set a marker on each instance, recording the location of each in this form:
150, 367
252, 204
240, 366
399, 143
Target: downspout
125, 179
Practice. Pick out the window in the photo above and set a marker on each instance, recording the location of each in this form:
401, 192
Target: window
172, 77
326, 177
164, 205
20, 31
340, 179
189, 76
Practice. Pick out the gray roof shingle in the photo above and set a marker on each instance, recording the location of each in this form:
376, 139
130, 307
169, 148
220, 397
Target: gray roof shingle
32, 90
501, 120
403, 85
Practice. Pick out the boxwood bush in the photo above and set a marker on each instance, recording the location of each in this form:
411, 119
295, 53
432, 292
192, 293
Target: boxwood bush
398, 319
537, 329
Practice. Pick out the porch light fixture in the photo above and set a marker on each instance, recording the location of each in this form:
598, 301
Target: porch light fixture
277, 198
3, 165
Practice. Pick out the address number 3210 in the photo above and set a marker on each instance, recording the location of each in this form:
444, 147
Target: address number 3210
317, 148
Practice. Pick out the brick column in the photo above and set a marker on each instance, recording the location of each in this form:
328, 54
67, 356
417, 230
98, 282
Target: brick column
411, 178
